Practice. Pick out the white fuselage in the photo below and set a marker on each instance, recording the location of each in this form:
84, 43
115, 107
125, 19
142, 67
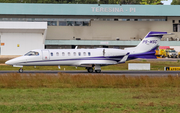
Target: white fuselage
90, 57
70, 57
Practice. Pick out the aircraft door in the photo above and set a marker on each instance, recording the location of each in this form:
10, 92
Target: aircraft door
104, 52
45, 55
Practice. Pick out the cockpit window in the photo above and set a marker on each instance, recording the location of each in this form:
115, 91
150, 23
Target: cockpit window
32, 53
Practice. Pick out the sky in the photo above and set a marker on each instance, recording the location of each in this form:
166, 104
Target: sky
166, 2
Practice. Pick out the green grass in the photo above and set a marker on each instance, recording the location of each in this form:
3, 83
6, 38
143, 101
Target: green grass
155, 65
65, 93
91, 100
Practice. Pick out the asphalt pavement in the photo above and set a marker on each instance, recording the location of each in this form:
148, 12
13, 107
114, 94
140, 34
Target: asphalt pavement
127, 73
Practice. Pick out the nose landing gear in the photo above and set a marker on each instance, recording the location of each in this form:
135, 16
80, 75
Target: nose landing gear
20, 70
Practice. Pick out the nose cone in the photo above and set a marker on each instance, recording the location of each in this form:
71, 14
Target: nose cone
16, 61
12, 61
9, 62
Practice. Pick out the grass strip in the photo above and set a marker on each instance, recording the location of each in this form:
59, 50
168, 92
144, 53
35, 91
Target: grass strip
90, 100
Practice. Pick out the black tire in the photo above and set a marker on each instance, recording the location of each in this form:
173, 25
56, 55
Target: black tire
20, 70
90, 70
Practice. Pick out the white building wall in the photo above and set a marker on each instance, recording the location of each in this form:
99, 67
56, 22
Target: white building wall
23, 25
26, 42
108, 30
17, 38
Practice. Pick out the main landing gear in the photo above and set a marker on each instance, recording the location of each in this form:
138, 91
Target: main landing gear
20, 70
97, 69
90, 69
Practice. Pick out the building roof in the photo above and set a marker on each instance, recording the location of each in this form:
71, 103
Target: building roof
88, 9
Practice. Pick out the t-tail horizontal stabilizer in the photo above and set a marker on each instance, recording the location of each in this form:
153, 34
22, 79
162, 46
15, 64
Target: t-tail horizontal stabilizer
124, 59
146, 48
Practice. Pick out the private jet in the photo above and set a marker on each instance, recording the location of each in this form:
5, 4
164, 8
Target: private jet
91, 59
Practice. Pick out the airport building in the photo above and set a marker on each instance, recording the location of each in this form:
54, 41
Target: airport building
25, 26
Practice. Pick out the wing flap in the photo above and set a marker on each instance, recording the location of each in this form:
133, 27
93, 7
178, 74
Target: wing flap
98, 62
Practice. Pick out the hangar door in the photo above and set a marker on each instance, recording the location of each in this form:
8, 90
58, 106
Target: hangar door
17, 38
20, 43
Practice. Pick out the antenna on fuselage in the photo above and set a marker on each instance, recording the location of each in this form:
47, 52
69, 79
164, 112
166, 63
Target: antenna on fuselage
76, 47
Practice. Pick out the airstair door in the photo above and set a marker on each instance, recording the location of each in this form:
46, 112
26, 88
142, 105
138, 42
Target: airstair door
45, 55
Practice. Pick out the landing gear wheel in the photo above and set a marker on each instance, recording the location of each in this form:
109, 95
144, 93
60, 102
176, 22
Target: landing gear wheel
90, 70
98, 71
20, 70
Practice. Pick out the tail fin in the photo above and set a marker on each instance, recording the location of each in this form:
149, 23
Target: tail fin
146, 48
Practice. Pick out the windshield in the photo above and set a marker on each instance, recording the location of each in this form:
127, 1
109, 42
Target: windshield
32, 53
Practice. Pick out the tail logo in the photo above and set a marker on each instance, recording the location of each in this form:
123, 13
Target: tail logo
149, 42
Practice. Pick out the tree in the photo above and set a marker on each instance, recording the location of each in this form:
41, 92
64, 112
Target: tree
175, 2
130, 1
150, 2
145, 2
120, 1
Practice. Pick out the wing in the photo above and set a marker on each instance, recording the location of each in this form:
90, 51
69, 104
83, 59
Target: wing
104, 62
98, 62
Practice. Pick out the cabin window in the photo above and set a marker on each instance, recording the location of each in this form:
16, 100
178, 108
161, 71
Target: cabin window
79, 53
51, 54
84, 53
89, 54
69, 53
63, 54
74, 53
32, 53
57, 53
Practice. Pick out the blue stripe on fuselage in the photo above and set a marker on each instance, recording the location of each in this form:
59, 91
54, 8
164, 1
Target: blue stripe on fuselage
113, 58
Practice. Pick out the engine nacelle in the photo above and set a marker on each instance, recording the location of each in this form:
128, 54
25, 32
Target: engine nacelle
114, 52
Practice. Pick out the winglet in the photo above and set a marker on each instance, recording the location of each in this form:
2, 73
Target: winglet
124, 58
